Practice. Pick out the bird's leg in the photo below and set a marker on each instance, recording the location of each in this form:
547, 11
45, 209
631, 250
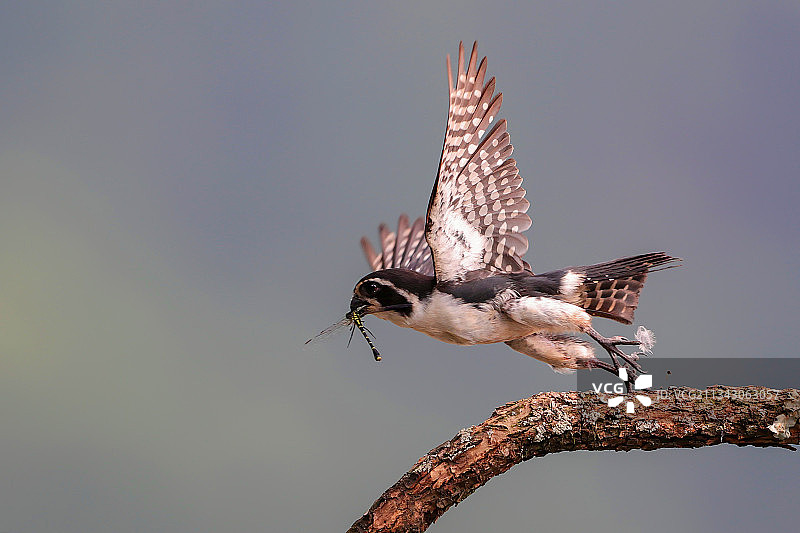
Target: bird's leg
611, 345
605, 366
615, 370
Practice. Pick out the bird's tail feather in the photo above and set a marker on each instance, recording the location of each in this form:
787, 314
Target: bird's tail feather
611, 289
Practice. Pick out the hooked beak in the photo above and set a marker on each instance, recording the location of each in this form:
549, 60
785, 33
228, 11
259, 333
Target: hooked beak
357, 304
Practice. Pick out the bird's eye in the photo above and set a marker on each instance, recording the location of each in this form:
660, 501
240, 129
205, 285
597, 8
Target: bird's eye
370, 288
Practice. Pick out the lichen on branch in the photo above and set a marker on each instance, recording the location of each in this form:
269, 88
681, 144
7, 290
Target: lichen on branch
551, 422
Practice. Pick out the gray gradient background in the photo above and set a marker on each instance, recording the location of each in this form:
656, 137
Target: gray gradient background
183, 189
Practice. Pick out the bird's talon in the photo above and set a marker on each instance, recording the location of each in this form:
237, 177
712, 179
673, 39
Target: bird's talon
622, 341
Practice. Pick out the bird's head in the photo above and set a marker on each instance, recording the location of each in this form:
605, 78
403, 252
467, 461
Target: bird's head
390, 293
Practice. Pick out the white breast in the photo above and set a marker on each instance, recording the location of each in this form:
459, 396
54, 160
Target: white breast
451, 320
506, 318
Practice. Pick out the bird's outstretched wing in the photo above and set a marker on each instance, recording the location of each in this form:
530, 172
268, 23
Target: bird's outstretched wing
477, 210
405, 249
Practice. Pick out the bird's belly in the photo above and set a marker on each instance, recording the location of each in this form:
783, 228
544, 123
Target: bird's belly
447, 320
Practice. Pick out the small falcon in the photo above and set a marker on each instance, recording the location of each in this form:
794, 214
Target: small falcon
458, 274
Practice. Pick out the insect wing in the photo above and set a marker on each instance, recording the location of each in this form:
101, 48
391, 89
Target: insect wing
330, 331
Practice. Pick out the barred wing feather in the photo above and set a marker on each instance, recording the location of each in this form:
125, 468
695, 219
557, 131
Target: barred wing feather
405, 249
477, 211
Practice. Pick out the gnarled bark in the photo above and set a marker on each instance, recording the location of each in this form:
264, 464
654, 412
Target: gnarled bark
564, 421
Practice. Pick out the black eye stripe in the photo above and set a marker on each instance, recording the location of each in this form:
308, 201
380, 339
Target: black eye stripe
397, 289
370, 288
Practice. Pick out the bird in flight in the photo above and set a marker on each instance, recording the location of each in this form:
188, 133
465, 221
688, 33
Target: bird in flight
458, 274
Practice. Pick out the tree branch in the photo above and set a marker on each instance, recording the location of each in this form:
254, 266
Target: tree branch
564, 421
